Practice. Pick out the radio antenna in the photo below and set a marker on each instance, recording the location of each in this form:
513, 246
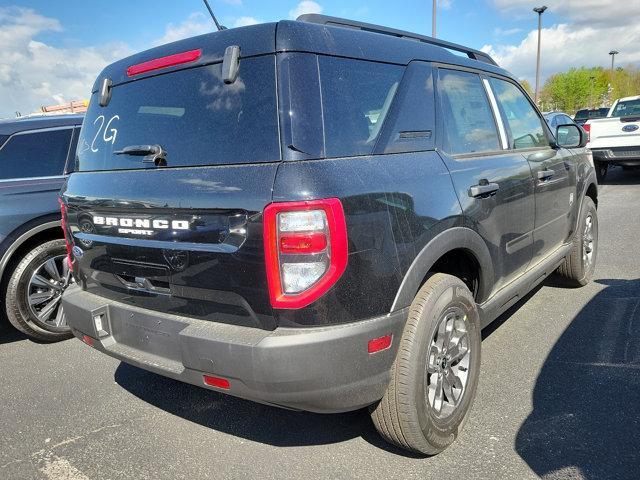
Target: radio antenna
215, 20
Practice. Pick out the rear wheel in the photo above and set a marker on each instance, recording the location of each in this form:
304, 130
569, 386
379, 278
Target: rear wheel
34, 292
435, 374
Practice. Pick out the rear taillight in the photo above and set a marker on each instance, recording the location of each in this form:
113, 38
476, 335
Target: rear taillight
305, 250
67, 240
587, 128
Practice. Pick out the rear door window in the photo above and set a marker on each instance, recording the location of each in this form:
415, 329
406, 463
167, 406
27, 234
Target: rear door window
192, 114
356, 98
35, 154
521, 118
469, 125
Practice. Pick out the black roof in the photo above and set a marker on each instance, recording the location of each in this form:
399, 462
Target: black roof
331, 38
20, 124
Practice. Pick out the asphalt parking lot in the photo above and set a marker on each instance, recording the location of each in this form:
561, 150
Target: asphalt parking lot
559, 397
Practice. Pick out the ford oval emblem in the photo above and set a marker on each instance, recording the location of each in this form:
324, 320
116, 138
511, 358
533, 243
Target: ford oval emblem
77, 252
630, 128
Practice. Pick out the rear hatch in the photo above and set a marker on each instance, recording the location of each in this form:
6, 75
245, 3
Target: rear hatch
174, 167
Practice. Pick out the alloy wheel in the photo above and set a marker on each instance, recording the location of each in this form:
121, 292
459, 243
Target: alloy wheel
44, 292
448, 363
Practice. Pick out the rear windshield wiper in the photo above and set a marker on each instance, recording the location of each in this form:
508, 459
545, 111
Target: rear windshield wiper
152, 153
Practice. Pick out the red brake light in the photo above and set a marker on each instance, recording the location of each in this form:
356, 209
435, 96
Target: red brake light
305, 250
67, 240
164, 62
303, 243
587, 128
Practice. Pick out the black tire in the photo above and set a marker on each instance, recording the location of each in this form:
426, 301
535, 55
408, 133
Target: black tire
405, 416
601, 170
19, 313
577, 269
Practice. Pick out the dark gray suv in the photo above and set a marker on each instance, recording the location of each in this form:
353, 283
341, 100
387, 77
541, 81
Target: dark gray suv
35, 157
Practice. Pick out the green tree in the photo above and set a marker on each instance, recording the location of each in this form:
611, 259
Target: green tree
527, 86
588, 88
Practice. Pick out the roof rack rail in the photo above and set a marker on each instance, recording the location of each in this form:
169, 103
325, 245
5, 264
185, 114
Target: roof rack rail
369, 27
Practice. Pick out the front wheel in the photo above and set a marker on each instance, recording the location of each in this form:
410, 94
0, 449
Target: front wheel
34, 293
577, 269
435, 374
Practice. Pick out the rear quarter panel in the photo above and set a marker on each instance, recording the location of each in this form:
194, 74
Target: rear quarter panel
394, 205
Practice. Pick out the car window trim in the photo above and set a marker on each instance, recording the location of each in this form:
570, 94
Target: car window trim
496, 113
28, 179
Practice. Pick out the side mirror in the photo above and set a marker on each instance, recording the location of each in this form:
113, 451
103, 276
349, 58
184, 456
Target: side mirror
571, 136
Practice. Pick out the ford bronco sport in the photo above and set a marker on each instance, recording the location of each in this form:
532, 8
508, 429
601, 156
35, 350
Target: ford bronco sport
320, 215
36, 153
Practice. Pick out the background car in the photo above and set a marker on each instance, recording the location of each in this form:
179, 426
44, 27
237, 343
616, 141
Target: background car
583, 115
556, 119
36, 154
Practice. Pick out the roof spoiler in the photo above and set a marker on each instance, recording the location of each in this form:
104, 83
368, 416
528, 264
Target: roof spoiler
369, 27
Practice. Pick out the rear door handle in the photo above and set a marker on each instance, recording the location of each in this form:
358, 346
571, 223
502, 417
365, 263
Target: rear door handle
545, 174
482, 190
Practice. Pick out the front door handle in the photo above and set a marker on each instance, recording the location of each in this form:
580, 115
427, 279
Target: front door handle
545, 174
483, 189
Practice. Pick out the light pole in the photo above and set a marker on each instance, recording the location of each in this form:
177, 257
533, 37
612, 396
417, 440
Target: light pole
433, 20
539, 11
613, 54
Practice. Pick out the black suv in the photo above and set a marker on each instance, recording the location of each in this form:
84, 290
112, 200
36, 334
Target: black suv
320, 215
36, 154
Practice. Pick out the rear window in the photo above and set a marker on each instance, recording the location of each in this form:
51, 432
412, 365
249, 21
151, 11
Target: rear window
627, 108
191, 114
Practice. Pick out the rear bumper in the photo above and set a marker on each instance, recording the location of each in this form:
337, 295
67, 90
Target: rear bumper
321, 369
619, 155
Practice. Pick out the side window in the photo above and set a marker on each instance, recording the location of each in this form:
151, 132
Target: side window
356, 98
469, 123
520, 116
38, 154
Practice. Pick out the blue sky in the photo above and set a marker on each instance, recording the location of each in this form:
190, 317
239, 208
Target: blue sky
50, 51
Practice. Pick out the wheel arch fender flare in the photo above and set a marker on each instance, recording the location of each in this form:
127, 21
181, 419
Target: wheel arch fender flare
22, 236
452, 239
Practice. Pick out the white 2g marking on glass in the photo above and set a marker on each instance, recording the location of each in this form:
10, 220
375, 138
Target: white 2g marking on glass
112, 132
100, 117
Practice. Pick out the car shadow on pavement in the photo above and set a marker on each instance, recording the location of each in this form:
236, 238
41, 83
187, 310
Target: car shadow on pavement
618, 176
585, 421
246, 419
8, 335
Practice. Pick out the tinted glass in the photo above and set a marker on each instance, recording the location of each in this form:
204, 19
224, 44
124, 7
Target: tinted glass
520, 116
356, 97
192, 114
582, 114
469, 123
627, 108
38, 154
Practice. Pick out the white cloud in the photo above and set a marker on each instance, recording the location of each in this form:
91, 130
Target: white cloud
446, 4
502, 32
196, 24
33, 74
244, 21
306, 6
580, 12
568, 45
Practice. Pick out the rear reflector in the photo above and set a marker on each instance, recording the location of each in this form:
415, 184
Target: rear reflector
380, 343
164, 62
88, 340
67, 240
216, 382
